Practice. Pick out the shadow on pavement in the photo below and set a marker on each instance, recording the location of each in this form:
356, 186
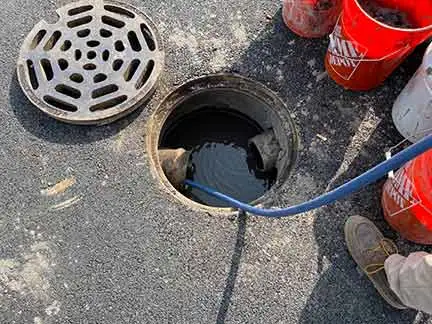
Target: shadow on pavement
294, 68
342, 290
41, 125
337, 298
235, 264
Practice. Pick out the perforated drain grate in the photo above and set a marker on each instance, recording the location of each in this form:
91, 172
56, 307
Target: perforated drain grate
97, 63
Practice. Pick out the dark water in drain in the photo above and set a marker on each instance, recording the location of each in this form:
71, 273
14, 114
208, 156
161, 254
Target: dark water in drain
218, 140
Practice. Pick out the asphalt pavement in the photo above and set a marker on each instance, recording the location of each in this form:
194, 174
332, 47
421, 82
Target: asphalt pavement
115, 248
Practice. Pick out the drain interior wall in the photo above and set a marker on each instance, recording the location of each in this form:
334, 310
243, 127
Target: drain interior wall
244, 103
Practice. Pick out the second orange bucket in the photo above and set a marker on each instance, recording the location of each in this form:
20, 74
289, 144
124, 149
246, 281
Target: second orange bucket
372, 37
407, 200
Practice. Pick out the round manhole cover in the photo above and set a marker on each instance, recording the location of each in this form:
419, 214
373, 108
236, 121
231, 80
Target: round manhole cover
97, 63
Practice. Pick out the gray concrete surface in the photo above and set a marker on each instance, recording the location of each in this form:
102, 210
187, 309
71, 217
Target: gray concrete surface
112, 248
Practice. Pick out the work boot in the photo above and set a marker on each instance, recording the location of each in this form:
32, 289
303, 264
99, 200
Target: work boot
370, 249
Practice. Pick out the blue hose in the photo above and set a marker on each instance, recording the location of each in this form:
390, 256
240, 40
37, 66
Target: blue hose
346, 189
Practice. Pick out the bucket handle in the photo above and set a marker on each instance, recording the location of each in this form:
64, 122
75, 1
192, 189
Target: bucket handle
389, 152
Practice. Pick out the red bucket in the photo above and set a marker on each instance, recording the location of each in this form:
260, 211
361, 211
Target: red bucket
407, 200
364, 50
311, 18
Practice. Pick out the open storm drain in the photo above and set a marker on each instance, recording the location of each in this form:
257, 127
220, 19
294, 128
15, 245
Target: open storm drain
97, 63
226, 132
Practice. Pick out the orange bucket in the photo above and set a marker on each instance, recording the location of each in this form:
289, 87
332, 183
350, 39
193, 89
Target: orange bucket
407, 200
311, 18
372, 37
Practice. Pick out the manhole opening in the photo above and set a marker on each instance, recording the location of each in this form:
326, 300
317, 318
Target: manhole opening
216, 125
217, 137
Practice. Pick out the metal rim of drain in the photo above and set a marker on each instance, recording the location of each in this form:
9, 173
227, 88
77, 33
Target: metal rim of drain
270, 112
96, 64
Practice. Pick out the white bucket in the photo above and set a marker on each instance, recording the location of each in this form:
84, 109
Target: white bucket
412, 111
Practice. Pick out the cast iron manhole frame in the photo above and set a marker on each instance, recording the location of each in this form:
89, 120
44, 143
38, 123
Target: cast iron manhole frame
287, 134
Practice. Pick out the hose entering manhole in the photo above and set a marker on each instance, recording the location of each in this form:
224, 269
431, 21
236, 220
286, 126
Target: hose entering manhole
348, 188
221, 89
237, 135
223, 147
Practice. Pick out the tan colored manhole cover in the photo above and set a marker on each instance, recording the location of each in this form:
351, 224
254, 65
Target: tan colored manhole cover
97, 63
